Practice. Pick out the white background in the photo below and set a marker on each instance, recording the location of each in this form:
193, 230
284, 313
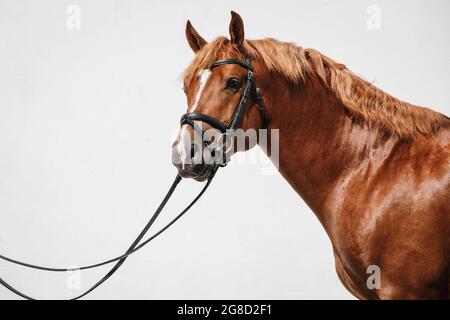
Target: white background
86, 119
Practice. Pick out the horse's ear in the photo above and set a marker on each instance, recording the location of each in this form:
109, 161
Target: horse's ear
236, 30
196, 42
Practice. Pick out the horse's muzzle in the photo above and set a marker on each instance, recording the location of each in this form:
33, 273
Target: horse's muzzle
190, 162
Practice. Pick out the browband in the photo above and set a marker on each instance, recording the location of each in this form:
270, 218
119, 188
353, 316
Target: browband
242, 63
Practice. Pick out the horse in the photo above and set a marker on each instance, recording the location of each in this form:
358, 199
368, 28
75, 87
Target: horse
375, 170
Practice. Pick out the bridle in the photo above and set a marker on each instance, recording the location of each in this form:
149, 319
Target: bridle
228, 128
187, 118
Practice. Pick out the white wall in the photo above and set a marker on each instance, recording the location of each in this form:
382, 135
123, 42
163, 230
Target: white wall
86, 118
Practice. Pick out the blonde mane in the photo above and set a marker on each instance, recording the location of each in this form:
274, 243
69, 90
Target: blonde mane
363, 100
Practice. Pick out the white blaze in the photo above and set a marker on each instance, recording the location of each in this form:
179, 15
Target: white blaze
185, 139
204, 76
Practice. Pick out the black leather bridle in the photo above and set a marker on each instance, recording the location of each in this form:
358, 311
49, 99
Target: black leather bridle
228, 128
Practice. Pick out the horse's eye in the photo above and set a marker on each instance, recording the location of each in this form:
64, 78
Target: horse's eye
233, 84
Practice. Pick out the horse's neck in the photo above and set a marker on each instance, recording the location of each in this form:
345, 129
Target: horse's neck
319, 144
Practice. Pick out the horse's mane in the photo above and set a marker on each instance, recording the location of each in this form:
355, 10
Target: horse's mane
363, 100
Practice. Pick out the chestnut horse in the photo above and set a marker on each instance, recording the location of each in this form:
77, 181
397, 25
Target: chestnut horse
375, 170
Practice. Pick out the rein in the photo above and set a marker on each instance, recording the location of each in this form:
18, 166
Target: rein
187, 118
120, 259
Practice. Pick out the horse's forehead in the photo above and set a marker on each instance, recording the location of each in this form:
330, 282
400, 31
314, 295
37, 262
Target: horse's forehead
227, 52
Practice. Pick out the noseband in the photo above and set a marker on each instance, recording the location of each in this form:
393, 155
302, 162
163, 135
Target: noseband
227, 128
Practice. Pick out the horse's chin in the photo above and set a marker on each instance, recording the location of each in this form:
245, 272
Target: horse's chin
203, 174
200, 174
201, 179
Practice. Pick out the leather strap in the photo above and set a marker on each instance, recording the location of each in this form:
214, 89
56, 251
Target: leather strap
120, 259
190, 117
242, 63
261, 107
